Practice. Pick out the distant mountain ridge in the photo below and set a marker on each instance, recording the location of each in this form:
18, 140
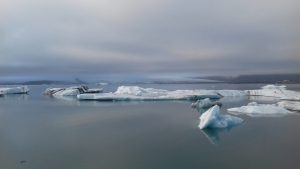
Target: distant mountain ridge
45, 82
262, 78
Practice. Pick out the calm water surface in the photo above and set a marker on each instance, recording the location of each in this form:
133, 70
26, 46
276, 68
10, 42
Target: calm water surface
38, 132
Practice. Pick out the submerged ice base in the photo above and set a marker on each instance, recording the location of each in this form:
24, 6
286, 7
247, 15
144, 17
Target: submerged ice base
213, 118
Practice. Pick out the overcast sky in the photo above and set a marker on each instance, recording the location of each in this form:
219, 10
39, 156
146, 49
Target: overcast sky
202, 37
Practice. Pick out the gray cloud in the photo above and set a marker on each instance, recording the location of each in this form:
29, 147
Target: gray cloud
158, 36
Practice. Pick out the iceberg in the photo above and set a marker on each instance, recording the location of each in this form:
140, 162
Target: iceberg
231, 93
260, 110
275, 91
51, 91
126, 93
205, 103
213, 118
70, 91
290, 105
139, 93
14, 90
280, 87
263, 99
67, 92
94, 90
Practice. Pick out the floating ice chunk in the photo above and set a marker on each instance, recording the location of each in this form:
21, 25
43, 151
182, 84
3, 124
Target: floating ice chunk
70, 91
14, 90
205, 103
275, 91
281, 87
231, 93
294, 96
110, 97
94, 90
212, 118
260, 110
51, 91
138, 93
263, 99
290, 105
193, 94
67, 92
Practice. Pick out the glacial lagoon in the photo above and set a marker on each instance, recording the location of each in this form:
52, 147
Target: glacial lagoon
37, 132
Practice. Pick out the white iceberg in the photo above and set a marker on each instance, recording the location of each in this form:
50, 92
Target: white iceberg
213, 118
14, 90
281, 87
290, 105
263, 99
94, 90
70, 91
205, 103
275, 91
51, 91
138, 93
231, 93
67, 92
260, 110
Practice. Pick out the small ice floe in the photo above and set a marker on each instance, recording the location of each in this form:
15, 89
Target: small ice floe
275, 91
290, 105
213, 118
14, 90
205, 103
139, 93
260, 110
70, 91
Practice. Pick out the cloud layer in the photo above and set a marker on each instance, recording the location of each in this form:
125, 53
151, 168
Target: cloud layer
151, 37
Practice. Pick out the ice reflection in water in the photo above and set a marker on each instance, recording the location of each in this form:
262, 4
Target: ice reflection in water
213, 134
